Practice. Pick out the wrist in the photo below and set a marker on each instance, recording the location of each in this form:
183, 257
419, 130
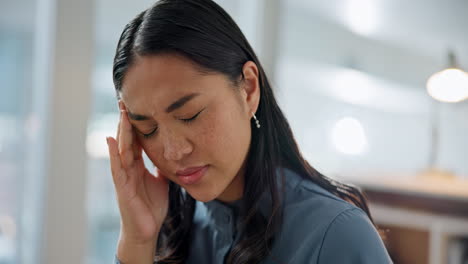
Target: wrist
141, 239
135, 252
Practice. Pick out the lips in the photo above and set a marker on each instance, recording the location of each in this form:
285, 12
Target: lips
191, 175
189, 171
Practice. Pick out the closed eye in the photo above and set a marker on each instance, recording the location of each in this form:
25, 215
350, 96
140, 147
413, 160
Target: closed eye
192, 118
188, 120
149, 134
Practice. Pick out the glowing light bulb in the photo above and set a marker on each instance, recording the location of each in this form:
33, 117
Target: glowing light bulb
348, 136
449, 85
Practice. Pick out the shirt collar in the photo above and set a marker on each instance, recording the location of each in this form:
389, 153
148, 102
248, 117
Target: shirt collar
223, 214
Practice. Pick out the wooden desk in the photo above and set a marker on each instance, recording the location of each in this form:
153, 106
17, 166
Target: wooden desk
423, 215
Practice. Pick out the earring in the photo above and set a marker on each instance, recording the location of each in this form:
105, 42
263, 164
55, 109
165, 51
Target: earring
256, 120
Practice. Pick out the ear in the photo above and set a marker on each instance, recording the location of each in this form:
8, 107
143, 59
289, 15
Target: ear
250, 88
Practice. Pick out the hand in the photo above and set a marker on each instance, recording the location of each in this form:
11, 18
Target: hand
142, 197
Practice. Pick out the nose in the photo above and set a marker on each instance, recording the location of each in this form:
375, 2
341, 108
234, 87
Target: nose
175, 146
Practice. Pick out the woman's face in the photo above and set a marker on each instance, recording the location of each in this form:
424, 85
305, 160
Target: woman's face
219, 134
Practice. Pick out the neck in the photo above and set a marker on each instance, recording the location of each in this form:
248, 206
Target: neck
235, 189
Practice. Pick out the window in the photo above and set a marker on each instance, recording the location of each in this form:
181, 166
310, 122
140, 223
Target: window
21, 128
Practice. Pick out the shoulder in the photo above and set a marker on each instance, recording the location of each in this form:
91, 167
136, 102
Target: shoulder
353, 235
305, 199
324, 224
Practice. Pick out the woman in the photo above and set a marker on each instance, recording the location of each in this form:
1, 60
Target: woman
231, 185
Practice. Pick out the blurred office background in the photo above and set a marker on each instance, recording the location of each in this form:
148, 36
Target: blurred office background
351, 75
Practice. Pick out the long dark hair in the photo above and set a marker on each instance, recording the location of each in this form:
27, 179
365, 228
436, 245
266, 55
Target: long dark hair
201, 31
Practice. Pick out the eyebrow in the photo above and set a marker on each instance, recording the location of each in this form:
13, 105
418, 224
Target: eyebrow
172, 107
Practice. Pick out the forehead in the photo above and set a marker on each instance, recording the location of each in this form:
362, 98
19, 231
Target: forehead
155, 81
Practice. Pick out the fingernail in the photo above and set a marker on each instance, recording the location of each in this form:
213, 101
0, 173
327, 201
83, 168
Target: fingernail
107, 139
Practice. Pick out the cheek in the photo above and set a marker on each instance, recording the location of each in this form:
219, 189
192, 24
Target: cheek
153, 151
149, 149
224, 137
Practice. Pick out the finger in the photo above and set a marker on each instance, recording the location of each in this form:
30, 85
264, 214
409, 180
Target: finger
135, 146
118, 127
126, 141
121, 107
118, 173
137, 149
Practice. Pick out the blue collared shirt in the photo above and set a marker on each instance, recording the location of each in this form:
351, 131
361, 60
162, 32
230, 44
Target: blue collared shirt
318, 227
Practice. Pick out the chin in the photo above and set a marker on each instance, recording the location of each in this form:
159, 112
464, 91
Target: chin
201, 197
